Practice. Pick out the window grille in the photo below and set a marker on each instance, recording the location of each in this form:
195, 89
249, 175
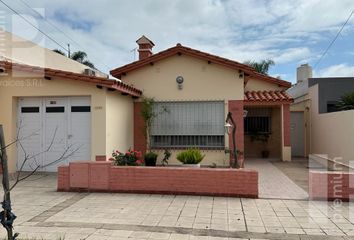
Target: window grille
258, 120
188, 124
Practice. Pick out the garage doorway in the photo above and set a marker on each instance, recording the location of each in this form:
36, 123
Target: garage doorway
59, 122
297, 134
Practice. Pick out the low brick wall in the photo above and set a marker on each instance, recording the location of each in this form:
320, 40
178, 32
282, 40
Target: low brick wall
102, 176
326, 185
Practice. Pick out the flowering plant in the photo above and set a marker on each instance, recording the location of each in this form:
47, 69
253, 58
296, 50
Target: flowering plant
130, 158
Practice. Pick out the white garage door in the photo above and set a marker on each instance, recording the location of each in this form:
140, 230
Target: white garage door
52, 127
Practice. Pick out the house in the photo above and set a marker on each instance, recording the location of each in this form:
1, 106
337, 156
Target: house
54, 101
198, 89
317, 125
48, 99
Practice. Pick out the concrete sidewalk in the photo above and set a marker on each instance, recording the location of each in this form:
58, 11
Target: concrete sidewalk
274, 183
44, 213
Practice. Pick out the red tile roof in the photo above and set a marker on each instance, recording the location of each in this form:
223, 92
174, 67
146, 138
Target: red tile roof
49, 72
267, 96
179, 49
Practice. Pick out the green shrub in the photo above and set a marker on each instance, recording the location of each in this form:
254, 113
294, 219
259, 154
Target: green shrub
190, 156
150, 159
346, 102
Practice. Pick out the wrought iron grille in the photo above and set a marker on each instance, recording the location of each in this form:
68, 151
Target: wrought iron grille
188, 124
258, 120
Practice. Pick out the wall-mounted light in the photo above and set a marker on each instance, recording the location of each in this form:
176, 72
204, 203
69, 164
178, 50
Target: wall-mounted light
180, 81
240, 74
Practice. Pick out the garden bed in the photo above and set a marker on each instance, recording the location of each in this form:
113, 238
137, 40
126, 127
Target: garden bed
104, 177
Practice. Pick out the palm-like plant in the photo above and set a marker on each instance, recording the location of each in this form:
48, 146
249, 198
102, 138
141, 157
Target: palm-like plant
261, 66
78, 56
346, 102
59, 51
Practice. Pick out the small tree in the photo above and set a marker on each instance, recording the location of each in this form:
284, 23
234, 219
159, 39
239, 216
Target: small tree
7, 217
261, 66
346, 102
148, 115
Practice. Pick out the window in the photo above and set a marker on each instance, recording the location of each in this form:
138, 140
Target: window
30, 110
188, 124
258, 120
332, 106
80, 109
54, 109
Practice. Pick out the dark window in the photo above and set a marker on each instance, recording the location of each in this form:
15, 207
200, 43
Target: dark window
332, 106
188, 141
80, 109
29, 109
55, 109
257, 124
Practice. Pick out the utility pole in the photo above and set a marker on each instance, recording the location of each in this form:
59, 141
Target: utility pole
69, 50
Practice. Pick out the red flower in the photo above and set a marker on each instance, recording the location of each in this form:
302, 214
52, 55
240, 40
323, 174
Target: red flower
117, 152
139, 162
111, 159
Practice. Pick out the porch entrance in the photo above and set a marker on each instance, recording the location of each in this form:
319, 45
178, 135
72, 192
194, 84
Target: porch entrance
262, 129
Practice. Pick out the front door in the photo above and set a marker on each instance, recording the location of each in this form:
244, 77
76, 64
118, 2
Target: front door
297, 134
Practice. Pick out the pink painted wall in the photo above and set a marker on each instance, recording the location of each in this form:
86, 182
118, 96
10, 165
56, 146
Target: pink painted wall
102, 176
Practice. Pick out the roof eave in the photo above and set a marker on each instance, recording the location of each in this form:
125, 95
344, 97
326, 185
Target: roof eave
118, 72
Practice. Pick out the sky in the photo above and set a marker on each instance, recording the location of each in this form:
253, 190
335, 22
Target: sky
290, 32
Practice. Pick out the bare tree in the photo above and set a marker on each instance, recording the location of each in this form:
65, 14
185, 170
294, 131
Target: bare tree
7, 217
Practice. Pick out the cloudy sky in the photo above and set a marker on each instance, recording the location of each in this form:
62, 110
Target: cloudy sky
290, 32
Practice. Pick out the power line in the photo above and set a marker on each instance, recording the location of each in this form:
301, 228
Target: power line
18, 14
335, 38
59, 30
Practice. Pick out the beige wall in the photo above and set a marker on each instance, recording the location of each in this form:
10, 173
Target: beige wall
332, 134
254, 148
202, 81
259, 85
38, 87
119, 122
23, 51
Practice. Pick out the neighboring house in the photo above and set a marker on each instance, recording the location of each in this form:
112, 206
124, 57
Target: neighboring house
300, 112
317, 127
198, 90
41, 91
332, 131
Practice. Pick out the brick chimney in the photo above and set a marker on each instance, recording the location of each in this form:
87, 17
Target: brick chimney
145, 47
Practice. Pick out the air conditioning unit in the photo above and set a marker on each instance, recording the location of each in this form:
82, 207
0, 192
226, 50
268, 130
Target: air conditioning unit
89, 72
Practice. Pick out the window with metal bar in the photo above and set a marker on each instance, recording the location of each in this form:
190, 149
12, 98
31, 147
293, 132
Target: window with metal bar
258, 120
188, 124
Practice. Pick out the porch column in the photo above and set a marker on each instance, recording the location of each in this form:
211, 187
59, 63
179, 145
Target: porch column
236, 109
285, 122
140, 143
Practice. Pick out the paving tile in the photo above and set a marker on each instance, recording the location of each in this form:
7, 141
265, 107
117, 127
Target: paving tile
273, 183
